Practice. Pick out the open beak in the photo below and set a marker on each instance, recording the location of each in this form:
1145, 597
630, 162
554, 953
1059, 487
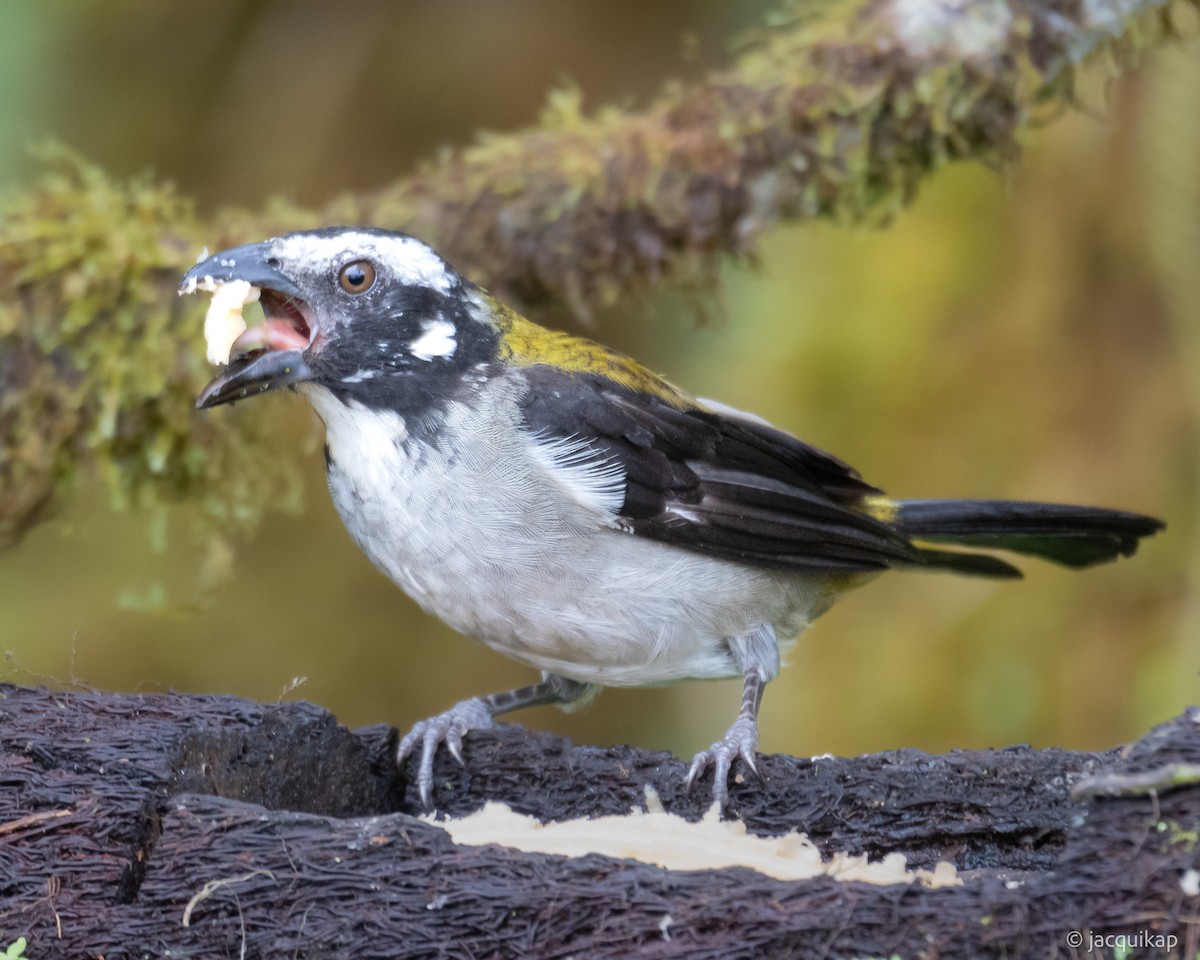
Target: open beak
267, 355
254, 373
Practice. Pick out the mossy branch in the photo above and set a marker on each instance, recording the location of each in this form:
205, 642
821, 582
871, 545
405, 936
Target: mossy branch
835, 110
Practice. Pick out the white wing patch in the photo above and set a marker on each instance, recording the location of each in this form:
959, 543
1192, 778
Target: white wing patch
591, 478
437, 339
734, 413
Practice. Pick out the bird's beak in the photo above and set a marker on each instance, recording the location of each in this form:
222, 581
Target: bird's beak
254, 373
268, 355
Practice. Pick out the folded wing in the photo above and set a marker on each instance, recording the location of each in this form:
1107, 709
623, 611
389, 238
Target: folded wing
705, 479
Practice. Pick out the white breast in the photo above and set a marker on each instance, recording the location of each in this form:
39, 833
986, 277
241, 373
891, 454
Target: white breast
482, 532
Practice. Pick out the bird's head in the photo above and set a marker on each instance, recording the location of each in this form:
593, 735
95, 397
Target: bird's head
369, 314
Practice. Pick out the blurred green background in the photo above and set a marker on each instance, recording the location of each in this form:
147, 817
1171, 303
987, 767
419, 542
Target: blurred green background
1028, 334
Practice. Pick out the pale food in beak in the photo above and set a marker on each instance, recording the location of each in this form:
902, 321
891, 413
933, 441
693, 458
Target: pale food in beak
224, 323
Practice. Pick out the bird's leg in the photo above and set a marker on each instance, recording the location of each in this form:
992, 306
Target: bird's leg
477, 713
757, 654
740, 740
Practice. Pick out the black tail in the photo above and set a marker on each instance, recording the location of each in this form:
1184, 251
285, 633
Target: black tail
1071, 536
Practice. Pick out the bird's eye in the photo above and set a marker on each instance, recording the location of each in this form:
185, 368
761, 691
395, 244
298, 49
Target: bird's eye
357, 277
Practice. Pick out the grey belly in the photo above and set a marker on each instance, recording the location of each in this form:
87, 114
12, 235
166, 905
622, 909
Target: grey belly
549, 586
482, 537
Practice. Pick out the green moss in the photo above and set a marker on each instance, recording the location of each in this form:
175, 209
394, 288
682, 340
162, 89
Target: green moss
839, 113
100, 361
1179, 835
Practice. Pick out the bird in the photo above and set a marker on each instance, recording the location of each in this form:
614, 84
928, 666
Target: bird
562, 504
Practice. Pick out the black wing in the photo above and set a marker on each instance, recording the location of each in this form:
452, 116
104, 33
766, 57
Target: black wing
718, 484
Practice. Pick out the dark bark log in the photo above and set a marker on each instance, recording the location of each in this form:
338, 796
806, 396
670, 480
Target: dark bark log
280, 833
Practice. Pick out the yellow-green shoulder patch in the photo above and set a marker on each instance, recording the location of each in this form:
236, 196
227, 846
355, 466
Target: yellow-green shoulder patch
524, 343
881, 508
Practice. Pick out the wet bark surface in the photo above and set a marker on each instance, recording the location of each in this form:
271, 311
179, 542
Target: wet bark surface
143, 824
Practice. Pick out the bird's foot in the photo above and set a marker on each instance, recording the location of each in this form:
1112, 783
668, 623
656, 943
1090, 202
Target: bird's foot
448, 728
740, 740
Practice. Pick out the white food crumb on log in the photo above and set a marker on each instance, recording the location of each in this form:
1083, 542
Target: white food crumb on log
669, 841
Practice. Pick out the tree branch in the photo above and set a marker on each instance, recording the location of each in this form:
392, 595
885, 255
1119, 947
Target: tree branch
838, 117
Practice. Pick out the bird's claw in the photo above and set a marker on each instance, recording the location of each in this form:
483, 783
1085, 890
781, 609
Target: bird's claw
448, 728
740, 740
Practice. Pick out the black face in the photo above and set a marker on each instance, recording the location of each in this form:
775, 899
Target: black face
368, 314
